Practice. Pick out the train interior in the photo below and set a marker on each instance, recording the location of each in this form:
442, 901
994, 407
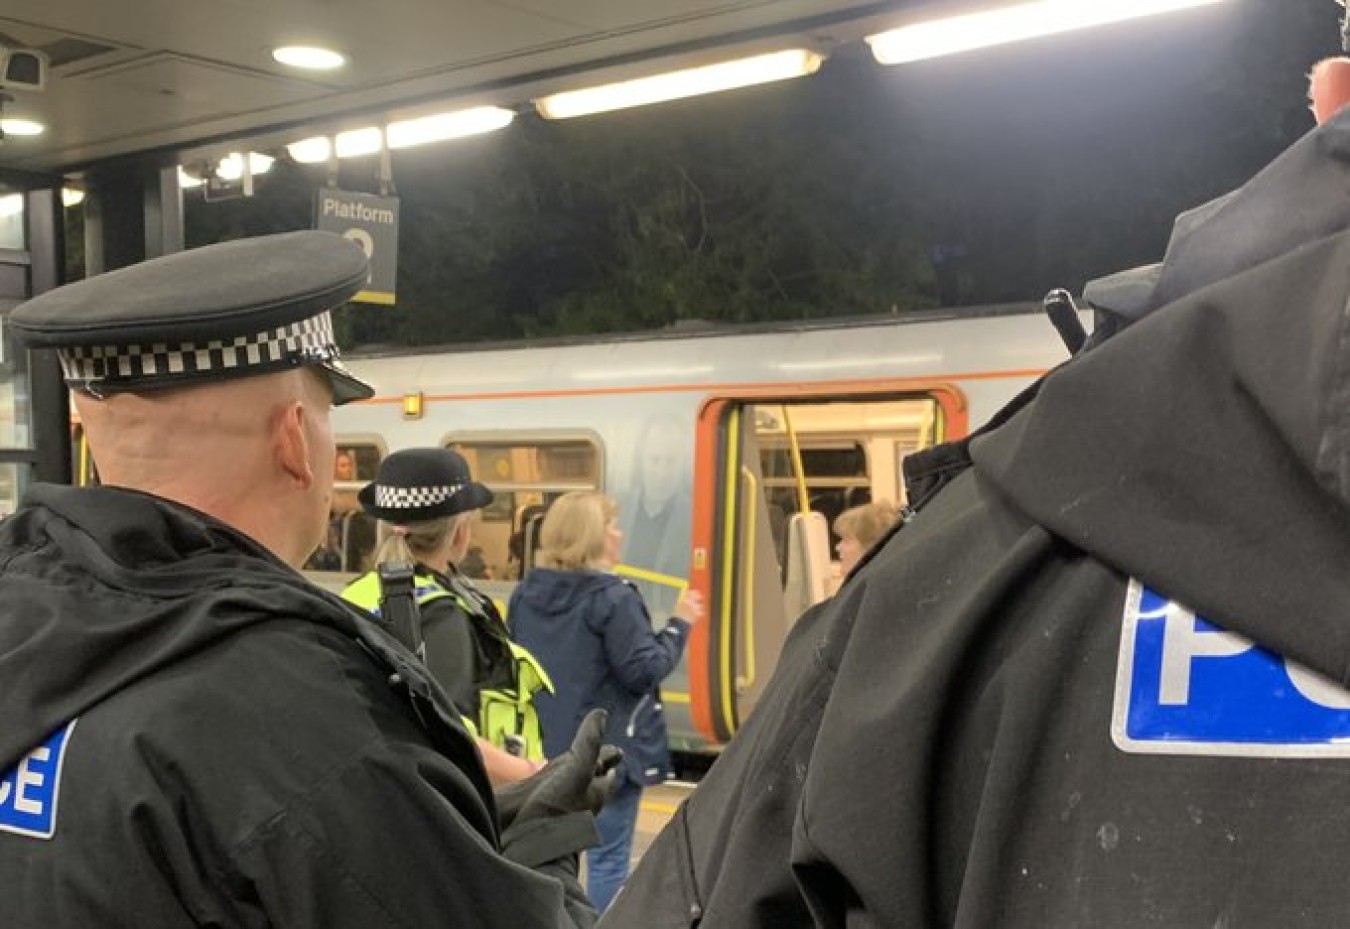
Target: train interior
792, 467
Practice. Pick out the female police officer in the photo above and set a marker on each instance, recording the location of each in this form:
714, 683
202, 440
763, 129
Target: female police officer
427, 500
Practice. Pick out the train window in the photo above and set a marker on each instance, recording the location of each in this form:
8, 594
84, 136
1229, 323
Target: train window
350, 544
850, 452
15, 406
13, 481
12, 222
525, 476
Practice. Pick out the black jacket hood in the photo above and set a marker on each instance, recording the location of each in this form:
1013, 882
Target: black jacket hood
1206, 449
101, 587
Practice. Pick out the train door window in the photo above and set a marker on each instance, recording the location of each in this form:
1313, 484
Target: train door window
525, 474
350, 545
785, 470
850, 453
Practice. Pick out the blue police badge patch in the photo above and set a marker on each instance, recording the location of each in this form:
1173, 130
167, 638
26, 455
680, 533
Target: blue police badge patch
1186, 687
29, 791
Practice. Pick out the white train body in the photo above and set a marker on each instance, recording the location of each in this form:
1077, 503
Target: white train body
709, 443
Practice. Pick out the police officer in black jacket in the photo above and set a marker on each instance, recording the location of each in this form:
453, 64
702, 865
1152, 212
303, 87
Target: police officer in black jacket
193, 734
1100, 678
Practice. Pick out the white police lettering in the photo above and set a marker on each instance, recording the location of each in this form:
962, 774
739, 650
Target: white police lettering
1182, 644
29, 791
1186, 686
1320, 690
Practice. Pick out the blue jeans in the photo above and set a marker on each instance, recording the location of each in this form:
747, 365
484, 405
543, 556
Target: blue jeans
607, 863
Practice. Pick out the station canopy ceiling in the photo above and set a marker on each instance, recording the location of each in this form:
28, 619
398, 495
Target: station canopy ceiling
184, 79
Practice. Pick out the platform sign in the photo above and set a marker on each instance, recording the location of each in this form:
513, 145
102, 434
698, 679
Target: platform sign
1185, 686
371, 222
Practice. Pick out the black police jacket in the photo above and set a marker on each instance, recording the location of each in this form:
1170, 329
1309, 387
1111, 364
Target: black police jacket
1099, 680
196, 736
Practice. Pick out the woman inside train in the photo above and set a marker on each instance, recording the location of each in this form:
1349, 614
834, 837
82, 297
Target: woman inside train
859, 528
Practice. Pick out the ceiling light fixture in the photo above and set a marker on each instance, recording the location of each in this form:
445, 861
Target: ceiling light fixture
935, 38
231, 167
71, 196
21, 127
357, 142
445, 126
674, 85
309, 57
311, 151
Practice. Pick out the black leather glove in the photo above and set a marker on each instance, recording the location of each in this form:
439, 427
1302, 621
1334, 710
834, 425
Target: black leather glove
579, 780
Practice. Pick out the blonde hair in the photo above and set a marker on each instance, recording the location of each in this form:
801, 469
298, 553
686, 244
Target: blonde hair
412, 542
866, 523
572, 537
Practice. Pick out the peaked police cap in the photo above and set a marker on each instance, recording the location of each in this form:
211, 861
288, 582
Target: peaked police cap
418, 484
251, 306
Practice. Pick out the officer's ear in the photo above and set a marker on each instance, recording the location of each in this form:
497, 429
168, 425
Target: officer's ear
291, 438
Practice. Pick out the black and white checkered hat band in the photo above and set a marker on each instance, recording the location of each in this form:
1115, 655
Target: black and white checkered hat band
413, 498
309, 341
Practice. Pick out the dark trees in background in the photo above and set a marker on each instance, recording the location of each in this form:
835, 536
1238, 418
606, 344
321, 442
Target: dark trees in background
963, 181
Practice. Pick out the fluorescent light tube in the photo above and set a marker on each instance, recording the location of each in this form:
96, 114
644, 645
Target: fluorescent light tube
674, 85
1011, 24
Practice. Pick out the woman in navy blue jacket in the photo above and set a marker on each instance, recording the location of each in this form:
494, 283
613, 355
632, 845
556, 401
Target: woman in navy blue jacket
591, 631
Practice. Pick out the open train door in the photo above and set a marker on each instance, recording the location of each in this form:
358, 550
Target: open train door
747, 618
772, 473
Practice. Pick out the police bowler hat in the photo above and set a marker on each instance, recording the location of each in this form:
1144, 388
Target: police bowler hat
251, 306
418, 484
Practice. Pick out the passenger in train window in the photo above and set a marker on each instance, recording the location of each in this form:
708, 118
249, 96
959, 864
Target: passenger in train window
859, 528
194, 734
592, 631
428, 501
1099, 679
350, 538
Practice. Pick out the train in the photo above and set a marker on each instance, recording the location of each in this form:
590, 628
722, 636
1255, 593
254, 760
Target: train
728, 450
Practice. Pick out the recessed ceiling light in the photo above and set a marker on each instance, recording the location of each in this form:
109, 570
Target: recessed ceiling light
310, 57
21, 127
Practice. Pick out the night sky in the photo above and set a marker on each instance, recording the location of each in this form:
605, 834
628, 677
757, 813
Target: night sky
966, 181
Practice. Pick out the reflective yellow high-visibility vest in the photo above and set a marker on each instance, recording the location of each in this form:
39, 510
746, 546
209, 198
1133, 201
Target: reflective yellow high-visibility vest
505, 715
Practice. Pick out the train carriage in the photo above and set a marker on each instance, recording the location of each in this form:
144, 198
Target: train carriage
729, 453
